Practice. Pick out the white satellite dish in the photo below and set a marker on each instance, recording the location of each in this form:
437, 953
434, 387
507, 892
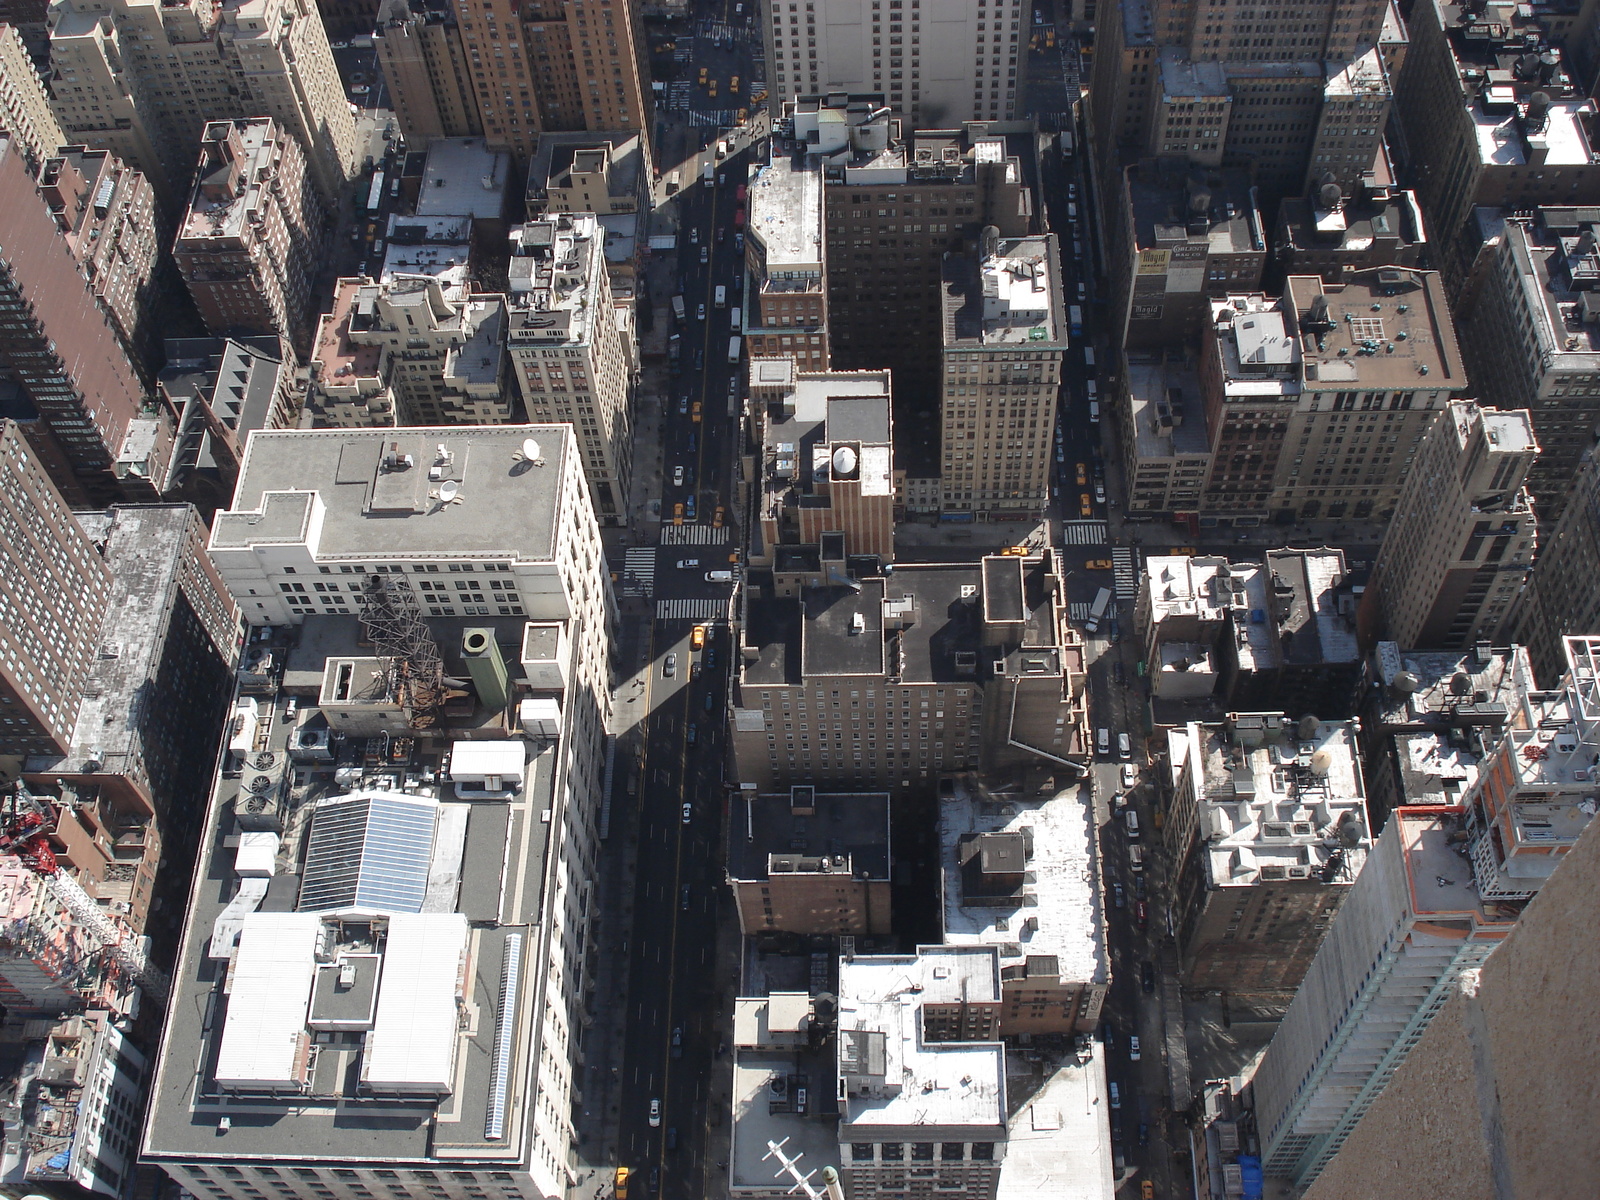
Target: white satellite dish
844, 462
449, 490
530, 449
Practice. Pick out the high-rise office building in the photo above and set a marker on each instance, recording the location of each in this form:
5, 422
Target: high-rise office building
558, 64
1317, 403
572, 354
143, 79
1178, 236
1530, 326
937, 63
1487, 1081
825, 471
1457, 551
25, 111
1491, 117
424, 64
53, 592
475, 554
982, 648
252, 235
786, 308
1420, 914
1561, 597
1333, 234
1292, 94
1267, 832
913, 1027
440, 352
92, 430
107, 212
1005, 333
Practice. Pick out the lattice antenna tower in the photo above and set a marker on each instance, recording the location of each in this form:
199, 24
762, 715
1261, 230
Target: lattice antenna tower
399, 635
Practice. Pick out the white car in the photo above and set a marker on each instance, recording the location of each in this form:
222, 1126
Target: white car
688, 812
1133, 1048
655, 1114
1130, 775
677, 476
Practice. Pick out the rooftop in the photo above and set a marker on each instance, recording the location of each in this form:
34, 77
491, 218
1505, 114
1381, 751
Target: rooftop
1558, 262
1384, 327
464, 178
360, 494
436, 246
894, 1080
1057, 916
1436, 689
372, 977
820, 411
1278, 799
1259, 357
1440, 884
1058, 1141
1010, 297
1166, 410
1315, 618
1211, 208
337, 360
786, 214
238, 163
837, 831
1369, 221
553, 161
556, 278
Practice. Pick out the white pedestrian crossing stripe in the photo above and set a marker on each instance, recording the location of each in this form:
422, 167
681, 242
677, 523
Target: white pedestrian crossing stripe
1083, 533
691, 610
693, 535
1078, 611
639, 571
1125, 570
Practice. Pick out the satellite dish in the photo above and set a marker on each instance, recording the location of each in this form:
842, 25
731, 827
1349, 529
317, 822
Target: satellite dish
1321, 761
530, 449
449, 490
844, 462
1406, 682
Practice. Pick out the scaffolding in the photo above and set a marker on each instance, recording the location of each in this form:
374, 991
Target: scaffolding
392, 619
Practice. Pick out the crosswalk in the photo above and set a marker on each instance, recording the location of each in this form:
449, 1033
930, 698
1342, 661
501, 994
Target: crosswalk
1125, 570
691, 610
722, 118
1083, 533
639, 571
1078, 611
693, 535
719, 32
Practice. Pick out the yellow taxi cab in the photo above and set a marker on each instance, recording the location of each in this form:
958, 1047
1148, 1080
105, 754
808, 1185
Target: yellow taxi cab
1083, 475
712, 90
1186, 550
694, 413
677, 513
716, 517
703, 74
744, 115
698, 637
1084, 505
733, 85
1097, 564
1147, 1190
621, 1183
1016, 551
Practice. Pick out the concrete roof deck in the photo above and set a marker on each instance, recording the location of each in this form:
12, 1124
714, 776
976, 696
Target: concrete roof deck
464, 178
509, 506
337, 359
962, 291
1149, 382
1160, 202
785, 212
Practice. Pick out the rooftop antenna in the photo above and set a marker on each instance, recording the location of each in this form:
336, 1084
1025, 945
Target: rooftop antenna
392, 619
802, 1182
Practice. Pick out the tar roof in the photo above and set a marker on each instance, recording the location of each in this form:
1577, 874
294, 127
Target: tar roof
508, 504
852, 824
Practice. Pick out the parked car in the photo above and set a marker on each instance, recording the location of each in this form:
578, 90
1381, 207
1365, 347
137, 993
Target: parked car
1147, 976
1130, 773
1141, 913
1117, 895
